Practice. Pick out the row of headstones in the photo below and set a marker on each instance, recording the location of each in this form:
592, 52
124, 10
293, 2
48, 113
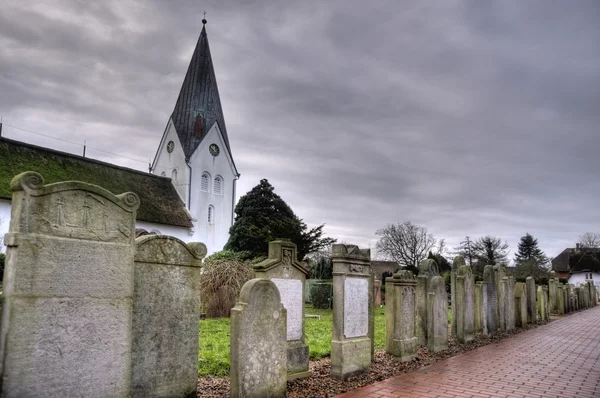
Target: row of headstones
566, 298
88, 309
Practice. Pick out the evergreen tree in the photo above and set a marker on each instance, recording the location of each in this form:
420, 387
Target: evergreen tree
529, 251
262, 216
465, 249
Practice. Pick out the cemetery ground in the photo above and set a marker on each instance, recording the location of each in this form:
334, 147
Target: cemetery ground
213, 363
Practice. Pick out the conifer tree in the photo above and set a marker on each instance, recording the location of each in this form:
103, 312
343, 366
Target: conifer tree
529, 251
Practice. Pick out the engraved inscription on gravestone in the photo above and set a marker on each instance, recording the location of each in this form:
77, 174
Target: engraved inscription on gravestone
408, 312
356, 307
291, 298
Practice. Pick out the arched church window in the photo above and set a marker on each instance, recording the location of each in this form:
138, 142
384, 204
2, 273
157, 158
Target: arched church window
205, 182
174, 175
218, 185
211, 214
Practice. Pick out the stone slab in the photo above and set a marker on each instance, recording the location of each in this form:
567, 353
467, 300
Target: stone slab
291, 298
356, 307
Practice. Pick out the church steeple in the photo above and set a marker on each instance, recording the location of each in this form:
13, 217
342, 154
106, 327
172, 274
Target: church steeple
198, 106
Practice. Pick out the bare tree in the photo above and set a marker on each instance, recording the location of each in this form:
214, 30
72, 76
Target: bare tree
405, 243
490, 250
589, 240
465, 249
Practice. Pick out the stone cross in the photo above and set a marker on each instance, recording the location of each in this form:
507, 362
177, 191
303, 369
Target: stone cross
289, 275
353, 322
68, 290
259, 351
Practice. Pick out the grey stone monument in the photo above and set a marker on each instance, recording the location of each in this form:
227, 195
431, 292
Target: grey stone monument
259, 350
491, 313
67, 313
520, 305
465, 304
400, 316
541, 304
437, 315
531, 292
166, 312
508, 284
289, 275
458, 262
479, 310
352, 345
561, 300
553, 293
500, 272
427, 270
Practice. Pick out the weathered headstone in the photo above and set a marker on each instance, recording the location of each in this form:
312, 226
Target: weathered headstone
166, 312
561, 300
491, 313
437, 315
377, 292
520, 305
351, 348
510, 303
542, 306
546, 305
578, 301
258, 342
479, 319
500, 272
458, 262
68, 291
427, 270
465, 304
531, 293
289, 275
553, 293
400, 316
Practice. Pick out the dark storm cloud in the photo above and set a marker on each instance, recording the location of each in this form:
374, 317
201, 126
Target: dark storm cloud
467, 117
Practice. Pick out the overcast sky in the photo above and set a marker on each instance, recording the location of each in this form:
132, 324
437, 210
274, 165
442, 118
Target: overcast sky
467, 117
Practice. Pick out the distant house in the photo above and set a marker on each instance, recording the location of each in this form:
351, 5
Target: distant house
579, 265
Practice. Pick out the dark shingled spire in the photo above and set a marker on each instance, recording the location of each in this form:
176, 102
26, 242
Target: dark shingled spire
198, 106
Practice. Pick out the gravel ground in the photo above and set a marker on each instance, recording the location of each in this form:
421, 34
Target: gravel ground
320, 384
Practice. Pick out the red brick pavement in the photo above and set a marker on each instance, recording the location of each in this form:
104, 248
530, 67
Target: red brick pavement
560, 359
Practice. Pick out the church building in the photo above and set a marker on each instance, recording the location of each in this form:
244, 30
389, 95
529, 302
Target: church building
190, 190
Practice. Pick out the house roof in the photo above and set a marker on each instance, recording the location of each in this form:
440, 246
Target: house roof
576, 260
198, 106
159, 201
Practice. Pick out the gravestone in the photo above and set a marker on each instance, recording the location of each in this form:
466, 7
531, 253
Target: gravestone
553, 293
541, 304
352, 345
509, 305
166, 312
561, 299
578, 301
400, 316
500, 272
479, 311
465, 304
520, 305
427, 270
458, 262
289, 275
491, 313
437, 315
258, 342
377, 292
565, 292
531, 295
67, 313
546, 299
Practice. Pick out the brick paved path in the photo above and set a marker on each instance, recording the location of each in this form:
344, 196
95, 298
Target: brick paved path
561, 359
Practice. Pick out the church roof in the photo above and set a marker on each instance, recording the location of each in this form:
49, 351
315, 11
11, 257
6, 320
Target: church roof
159, 201
198, 106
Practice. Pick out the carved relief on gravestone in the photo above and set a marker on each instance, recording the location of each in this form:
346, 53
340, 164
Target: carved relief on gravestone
356, 307
401, 341
68, 290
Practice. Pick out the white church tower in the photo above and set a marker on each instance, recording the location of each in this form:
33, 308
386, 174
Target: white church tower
195, 153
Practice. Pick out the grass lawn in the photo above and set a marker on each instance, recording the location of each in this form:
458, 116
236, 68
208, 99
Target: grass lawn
214, 339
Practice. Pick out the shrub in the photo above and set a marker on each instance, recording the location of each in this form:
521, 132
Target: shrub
223, 275
320, 294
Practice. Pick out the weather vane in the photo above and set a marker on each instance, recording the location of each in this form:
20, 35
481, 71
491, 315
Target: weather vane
204, 19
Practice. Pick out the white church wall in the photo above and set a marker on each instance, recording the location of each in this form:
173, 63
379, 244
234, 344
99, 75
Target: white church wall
182, 233
581, 278
168, 164
215, 234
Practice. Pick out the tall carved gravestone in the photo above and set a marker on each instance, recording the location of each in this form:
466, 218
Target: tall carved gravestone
480, 307
465, 304
489, 276
458, 262
66, 327
289, 275
258, 344
578, 301
508, 294
166, 312
546, 305
560, 299
520, 304
541, 304
400, 316
553, 293
352, 345
437, 315
427, 270
500, 272
531, 295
